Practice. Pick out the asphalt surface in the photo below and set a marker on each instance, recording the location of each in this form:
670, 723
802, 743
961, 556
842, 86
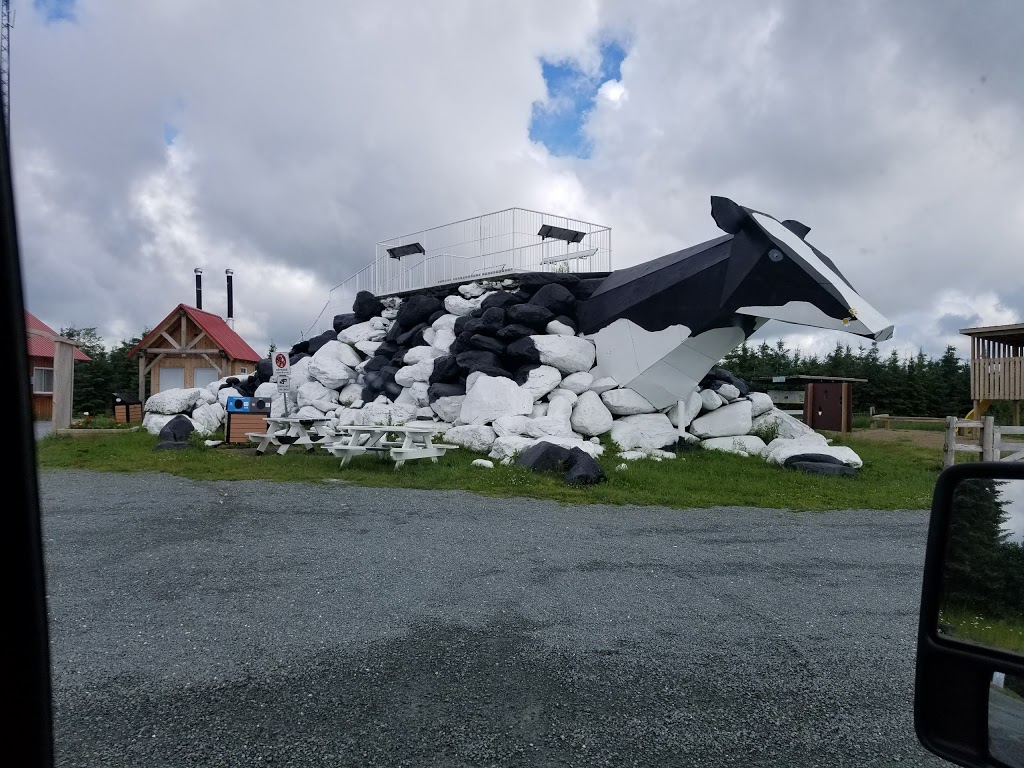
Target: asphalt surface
214, 623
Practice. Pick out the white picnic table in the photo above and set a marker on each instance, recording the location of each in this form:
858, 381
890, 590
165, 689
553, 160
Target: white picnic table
415, 441
286, 431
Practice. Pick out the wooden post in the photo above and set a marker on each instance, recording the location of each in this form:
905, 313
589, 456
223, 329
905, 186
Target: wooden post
63, 383
142, 377
949, 448
988, 430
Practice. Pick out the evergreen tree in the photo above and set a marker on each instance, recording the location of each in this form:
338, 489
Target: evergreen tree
975, 574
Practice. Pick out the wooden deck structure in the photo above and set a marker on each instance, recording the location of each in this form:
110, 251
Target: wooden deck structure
997, 367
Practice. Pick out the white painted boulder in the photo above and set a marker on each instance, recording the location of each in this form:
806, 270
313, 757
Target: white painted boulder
154, 422
471, 290
741, 445
208, 417
448, 408
691, 409
339, 351
368, 348
445, 323
644, 431
474, 437
509, 426
578, 383
780, 449
361, 332
569, 354
300, 373
556, 328
459, 306
727, 421
542, 380
507, 448
172, 401
482, 463
349, 394
315, 394
420, 355
265, 390
760, 403
626, 402
310, 412
728, 392
710, 400
443, 339
789, 427
222, 396
603, 384
493, 397
590, 416
330, 371
539, 409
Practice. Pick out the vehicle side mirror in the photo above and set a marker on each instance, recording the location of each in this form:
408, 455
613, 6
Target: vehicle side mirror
969, 689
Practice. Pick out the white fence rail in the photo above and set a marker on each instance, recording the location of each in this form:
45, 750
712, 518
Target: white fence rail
990, 445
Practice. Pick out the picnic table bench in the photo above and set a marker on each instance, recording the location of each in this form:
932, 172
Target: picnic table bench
415, 441
285, 431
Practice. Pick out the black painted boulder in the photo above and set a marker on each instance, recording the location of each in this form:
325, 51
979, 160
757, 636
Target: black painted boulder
821, 458
533, 315
461, 343
376, 362
446, 368
544, 457
557, 298
366, 306
318, 341
417, 309
586, 288
490, 370
177, 430
436, 316
522, 352
821, 468
440, 389
513, 332
394, 331
720, 374
264, 369
341, 322
294, 358
583, 469
474, 358
461, 322
486, 343
534, 281
413, 337
566, 320
299, 348
387, 349
500, 300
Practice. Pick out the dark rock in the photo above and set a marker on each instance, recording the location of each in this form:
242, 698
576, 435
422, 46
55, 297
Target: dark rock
533, 315
821, 458
388, 373
586, 288
544, 457
461, 343
475, 325
171, 446
720, 374
534, 281
566, 320
399, 357
341, 322
474, 358
446, 368
486, 343
394, 331
460, 323
513, 332
436, 316
318, 341
376, 362
821, 468
293, 359
493, 319
387, 349
522, 295
490, 370
557, 298
417, 308
477, 313
264, 369
500, 300
299, 348
413, 337
522, 352
583, 469
392, 390
177, 429
366, 306
247, 387
434, 391
369, 394
373, 380
230, 381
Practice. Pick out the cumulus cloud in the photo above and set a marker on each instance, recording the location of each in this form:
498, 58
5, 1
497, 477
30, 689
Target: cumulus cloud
299, 138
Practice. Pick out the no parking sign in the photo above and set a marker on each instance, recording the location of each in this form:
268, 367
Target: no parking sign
282, 371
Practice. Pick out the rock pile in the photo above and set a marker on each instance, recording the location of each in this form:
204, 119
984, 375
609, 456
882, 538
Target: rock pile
501, 362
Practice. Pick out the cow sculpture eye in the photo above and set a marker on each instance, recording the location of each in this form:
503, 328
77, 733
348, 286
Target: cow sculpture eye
775, 255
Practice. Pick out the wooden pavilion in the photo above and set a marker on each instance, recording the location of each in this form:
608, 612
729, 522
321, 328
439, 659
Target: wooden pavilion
997, 367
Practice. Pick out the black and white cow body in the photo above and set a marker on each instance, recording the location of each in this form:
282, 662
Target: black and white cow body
661, 326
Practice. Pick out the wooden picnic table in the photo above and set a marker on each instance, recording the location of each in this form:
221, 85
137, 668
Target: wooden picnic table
286, 431
415, 442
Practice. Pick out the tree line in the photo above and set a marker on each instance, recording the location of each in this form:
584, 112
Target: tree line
110, 371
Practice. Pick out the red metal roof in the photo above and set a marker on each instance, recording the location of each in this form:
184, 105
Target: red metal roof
216, 328
39, 346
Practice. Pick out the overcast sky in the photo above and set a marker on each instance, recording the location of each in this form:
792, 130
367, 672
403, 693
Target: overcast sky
283, 140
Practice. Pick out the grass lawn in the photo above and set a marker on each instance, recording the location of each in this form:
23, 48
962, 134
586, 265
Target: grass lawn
895, 475
1005, 634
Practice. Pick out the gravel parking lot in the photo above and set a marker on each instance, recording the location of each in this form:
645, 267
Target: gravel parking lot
214, 623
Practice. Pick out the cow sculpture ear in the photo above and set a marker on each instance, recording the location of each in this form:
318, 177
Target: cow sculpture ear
727, 215
798, 229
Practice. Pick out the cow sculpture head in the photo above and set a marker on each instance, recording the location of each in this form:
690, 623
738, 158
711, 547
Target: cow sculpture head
660, 326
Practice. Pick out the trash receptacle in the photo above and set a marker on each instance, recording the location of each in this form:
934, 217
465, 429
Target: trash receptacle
127, 408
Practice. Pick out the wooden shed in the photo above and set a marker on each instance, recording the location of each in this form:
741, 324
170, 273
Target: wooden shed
191, 348
47, 376
997, 367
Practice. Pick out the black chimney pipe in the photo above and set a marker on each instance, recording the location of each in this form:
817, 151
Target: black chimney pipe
231, 299
199, 287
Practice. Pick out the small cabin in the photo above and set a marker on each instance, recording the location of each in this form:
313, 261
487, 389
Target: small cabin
43, 372
191, 348
997, 366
